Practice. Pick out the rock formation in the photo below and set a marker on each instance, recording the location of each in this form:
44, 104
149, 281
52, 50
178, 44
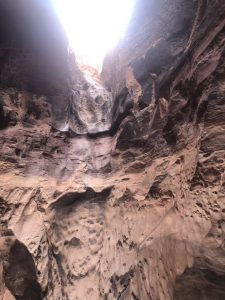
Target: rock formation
113, 187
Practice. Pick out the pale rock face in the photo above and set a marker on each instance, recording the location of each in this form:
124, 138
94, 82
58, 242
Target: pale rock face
90, 108
114, 188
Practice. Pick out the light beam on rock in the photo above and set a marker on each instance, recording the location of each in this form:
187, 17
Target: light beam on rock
94, 26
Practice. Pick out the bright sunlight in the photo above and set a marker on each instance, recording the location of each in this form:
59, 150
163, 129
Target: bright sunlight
94, 26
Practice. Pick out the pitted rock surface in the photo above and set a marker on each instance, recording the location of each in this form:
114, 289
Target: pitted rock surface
113, 187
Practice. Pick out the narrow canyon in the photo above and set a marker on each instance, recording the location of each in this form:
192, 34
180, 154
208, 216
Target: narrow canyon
112, 185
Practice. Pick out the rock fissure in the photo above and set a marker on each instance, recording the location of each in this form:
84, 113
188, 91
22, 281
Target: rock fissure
112, 185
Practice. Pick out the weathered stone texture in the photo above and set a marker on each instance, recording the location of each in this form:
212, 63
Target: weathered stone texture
114, 188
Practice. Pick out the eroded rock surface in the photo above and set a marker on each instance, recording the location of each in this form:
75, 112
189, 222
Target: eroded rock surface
114, 188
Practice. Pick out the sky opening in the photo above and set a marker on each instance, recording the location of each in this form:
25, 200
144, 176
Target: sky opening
94, 26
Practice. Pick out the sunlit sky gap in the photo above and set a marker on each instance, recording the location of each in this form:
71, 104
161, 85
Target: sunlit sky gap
94, 26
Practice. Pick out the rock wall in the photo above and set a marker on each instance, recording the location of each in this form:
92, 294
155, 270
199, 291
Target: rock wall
114, 188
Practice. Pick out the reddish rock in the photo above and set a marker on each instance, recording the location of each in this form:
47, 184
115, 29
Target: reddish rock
113, 188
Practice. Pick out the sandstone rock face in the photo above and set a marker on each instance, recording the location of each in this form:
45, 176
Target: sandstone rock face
114, 188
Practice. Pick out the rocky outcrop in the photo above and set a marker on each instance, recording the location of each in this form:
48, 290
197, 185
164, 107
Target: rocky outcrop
114, 188
34, 57
89, 108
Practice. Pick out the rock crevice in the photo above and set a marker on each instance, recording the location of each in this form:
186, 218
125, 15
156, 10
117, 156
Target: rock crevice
113, 185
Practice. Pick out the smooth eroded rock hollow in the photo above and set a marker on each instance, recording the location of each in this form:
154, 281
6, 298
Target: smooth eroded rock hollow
112, 185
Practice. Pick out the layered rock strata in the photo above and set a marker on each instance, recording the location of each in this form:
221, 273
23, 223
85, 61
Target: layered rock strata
113, 188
